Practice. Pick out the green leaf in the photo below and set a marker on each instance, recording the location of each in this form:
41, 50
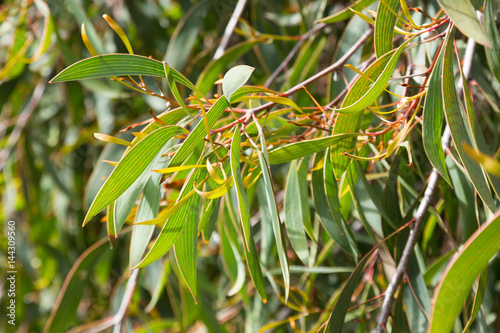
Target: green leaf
244, 217
304, 148
147, 210
463, 15
234, 79
273, 209
384, 26
294, 214
66, 304
432, 127
120, 64
346, 13
337, 317
493, 53
458, 128
230, 255
186, 245
350, 123
130, 167
464, 268
176, 221
482, 285
329, 222
376, 88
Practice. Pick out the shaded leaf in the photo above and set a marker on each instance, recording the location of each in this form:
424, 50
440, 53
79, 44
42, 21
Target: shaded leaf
463, 15
460, 274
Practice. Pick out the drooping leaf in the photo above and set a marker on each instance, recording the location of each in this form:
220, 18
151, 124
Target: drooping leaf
147, 210
186, 246
463, 15
461, 272
273, 210
329, 219
66, 304
458, 128
294, 215
337, 317
432, 127
250, 251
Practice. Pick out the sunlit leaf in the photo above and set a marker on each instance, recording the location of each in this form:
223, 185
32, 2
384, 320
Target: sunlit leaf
130, 167
234, 79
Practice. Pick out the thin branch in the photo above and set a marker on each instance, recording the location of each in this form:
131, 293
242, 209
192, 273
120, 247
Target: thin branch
229, 28
422, 208
292, 53
339, 63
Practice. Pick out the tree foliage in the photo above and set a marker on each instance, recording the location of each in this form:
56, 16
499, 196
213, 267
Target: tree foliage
310, 166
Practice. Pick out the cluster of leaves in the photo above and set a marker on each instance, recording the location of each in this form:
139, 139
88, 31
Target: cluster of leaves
293, 204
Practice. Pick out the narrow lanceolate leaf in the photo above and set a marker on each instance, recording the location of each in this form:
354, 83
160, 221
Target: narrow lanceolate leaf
186, 246
460, 274
478, 137
346, 13
273, 210
120, 64
130, 167
234, 79
66, 305
330, 220
176, 222
305, 148
493, 53
433, 122
350, 123
377, 86
333, 198
337, 317
384, 25
250, 251
147, 210
458, 128
294, 215
463, 15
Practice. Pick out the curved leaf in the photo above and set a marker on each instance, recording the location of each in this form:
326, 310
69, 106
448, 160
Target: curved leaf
460, 274
463, 15
384, 26
130, 167
234, 79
